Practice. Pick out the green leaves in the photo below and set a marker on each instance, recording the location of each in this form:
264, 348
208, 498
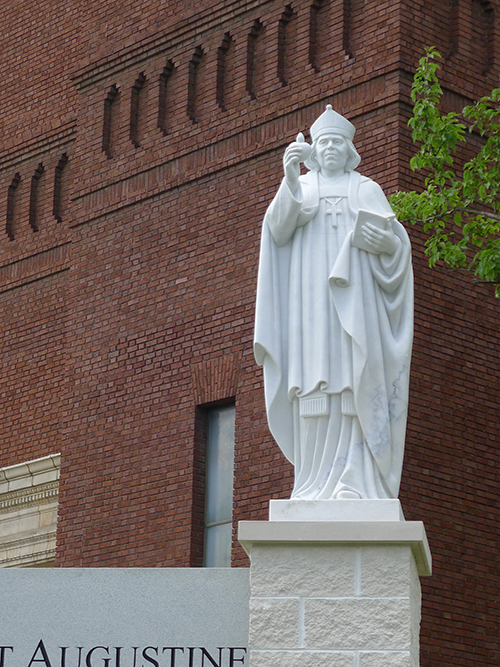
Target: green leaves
458, 209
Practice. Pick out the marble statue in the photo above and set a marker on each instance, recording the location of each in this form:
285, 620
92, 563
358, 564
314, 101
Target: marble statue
334, 321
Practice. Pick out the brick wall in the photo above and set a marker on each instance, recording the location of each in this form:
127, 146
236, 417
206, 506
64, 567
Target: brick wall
133, 306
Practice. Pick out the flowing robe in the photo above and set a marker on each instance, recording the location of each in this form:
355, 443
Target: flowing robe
334, 327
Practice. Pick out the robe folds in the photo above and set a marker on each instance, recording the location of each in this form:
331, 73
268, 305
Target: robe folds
333, 332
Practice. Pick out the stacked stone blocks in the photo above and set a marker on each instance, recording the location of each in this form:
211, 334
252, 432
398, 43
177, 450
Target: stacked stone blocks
334, 604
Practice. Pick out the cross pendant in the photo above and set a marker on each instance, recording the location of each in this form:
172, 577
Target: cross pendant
334, 208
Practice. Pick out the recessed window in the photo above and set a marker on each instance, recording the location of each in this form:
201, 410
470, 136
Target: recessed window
196, 76
287, 45
60, 188
36, 197
13, 196
256, 59
111, 121
165, 97
219, 486
138, 110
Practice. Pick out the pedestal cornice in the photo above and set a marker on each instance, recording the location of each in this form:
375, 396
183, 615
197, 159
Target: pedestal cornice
357, 533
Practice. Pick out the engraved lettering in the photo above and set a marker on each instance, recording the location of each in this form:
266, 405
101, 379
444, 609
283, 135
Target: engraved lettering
172, 650
43, 651
2, 653
88, 659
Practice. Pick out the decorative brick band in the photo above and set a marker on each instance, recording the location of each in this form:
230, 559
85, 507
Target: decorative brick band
35, 267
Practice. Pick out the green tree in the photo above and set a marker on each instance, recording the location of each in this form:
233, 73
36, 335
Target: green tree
459, 209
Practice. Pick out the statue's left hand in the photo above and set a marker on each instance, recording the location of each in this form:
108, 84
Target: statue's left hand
381, 240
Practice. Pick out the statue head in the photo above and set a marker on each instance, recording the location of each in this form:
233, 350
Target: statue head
332, 124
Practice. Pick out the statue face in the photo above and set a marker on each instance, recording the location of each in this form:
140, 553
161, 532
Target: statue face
332, 152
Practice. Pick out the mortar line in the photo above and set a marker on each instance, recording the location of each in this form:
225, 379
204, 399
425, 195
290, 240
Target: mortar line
302, 629
357, 573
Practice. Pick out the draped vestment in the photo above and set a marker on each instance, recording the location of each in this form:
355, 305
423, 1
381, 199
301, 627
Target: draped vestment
333, 331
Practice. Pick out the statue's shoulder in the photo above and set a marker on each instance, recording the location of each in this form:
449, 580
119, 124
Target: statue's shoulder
369, 187
368, 183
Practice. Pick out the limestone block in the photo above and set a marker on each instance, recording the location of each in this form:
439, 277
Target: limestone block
51, 463
48, 517
358, 623
45, 477
399, 659
8, 526
274, 623
28, 511
302, 570
302, 659
20, 481
387, 571
14, 524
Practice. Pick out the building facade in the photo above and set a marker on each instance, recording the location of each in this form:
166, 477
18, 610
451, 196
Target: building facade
142, 144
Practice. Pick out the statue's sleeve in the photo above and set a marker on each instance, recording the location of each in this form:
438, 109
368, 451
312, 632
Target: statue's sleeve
271, 326
284, 214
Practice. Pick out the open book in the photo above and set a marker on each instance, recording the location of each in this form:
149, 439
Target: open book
380, 221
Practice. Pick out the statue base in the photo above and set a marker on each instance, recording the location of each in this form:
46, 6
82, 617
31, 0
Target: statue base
335, 593
336, 510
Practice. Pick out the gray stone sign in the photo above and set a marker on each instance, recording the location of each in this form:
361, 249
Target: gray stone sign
124, 617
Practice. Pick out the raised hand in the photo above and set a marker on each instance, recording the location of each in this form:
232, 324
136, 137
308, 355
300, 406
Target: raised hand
296, 152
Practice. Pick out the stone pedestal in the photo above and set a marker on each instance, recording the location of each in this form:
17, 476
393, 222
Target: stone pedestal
335, 593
